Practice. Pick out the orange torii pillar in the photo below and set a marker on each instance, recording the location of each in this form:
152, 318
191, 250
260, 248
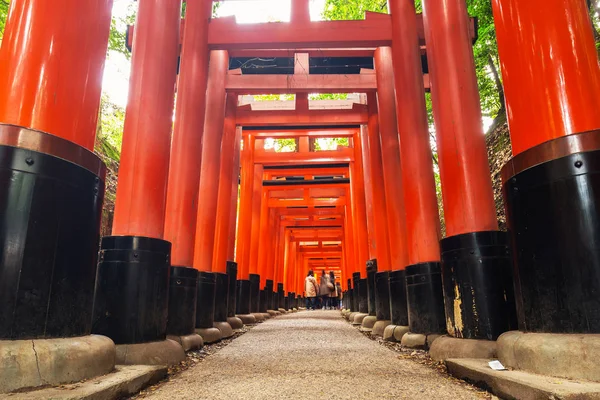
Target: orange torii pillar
224, 270
273, 243
244, 230
184, 169
551, 187
369, 199
380, 220
420, 306
288, 283
283, 253
357, 195
264, 249
394, 193
359, 280
50, 85
232, 266
227, 174
133, 276
208, 191
255, 239
476, 265
357, 190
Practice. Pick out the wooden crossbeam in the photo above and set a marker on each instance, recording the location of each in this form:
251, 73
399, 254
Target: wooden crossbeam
358, 115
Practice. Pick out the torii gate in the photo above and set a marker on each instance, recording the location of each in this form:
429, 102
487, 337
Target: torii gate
168, 268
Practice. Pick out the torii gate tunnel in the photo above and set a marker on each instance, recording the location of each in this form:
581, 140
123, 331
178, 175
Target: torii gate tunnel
213, 229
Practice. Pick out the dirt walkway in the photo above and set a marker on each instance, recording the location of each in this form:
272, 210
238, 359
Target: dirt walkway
309, 355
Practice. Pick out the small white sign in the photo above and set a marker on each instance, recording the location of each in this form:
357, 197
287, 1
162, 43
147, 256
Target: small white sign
496, 365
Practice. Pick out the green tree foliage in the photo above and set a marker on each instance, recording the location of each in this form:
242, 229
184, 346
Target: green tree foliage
3, 15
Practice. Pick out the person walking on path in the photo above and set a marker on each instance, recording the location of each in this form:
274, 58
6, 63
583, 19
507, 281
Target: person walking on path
340, 295
325, 289
333, 294
310, 289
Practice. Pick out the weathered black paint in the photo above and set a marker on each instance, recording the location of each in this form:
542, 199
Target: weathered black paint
205, 305
183, 288
382, 296
363, 296
50, 212
254, 293
356, 291
425, 298
243, 306
232, 288
221, 296
132, 289
371, 271
553, 215
478, 285
398, 306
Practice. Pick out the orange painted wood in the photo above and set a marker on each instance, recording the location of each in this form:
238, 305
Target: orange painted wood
317, 157
229, 147
549, 68
186, 145
260, 84
368, 191
264, 238
272, 243
356, 116
307, 203
333, 132
382, 247
255, 237
420, 199
464, 170
51, 64
341, 171
208, 189
245, 209
390, 156
143, 172
358, 192
233, 220
375, 30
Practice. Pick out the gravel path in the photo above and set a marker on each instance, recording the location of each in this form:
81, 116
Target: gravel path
309, 355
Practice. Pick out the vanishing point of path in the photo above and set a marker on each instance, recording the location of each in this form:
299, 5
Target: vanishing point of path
309, 355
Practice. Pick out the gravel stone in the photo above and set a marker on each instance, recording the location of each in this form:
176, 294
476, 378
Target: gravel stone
309, 355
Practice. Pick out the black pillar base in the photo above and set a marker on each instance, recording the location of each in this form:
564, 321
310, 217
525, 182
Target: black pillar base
243, 306
205, 305
51, 194
349, 301
425, 298
254, 293
132, 289
286, 303
382, 296
398, 306
356, 291
552, 200
371, 271
262, 306
363, 296
269, 294
183, 288
221, 297
280, 296
478, 284
232, 289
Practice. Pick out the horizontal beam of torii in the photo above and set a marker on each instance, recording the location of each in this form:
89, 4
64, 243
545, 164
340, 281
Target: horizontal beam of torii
319, 38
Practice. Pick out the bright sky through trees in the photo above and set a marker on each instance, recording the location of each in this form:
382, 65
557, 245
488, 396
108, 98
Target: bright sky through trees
116, 72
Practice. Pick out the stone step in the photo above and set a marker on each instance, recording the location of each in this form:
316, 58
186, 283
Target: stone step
124, 381
518, 384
